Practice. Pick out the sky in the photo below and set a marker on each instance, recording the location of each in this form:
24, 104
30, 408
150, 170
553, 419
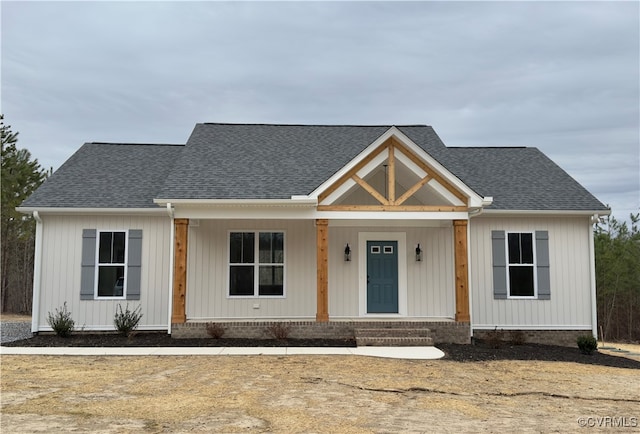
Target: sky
560, 76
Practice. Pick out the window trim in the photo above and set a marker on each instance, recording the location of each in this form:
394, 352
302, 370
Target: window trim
256, 264
98, 264
533, 265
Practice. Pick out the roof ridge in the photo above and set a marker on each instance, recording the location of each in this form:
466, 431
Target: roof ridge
490, 147
312, 125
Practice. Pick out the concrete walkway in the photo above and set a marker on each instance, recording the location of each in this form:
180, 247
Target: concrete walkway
419, 353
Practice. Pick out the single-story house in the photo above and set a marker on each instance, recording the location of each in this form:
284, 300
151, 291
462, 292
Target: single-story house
331, 229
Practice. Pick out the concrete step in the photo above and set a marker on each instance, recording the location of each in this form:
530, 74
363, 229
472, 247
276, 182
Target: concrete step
416, 341
392, 332
393, 336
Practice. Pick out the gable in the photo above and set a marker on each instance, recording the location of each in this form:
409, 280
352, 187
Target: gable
394, 174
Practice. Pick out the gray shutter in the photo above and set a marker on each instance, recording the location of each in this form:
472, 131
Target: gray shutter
542, 265
134, 264
88, 270
499, 265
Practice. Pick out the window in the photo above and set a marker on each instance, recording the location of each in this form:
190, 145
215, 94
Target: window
112, 249
521, 264
256, 264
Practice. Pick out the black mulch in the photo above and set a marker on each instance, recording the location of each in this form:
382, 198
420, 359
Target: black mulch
476, 352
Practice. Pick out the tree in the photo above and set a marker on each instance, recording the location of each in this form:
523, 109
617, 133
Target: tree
617, 251
20, 176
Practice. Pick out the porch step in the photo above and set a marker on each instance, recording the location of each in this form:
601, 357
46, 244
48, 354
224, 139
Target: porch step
393, 337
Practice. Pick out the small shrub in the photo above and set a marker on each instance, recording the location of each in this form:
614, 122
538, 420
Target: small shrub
61, 322
279, 331
215, 330
587, 344
127, 321
517, 337
495, 338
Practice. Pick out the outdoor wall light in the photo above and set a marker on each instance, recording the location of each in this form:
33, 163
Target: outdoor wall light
418, 253
347, 253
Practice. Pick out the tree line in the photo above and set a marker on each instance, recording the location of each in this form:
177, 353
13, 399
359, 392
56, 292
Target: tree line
617, 250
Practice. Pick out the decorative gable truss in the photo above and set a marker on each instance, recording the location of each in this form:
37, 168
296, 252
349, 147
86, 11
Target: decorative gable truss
394, 174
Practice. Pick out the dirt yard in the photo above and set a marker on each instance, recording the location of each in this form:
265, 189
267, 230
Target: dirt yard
332, 394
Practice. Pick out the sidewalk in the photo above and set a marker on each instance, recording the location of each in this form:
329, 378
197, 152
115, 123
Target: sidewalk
419, 353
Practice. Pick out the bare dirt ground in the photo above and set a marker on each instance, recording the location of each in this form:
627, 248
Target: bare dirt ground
332, 394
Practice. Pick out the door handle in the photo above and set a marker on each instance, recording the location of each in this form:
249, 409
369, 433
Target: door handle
368, 278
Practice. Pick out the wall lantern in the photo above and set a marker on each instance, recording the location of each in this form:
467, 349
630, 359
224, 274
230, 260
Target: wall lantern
347, 253
418, 253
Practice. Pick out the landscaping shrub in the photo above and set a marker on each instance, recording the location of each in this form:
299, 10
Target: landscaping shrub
127, 321
587, 344
279, 330
61, 322
215, 330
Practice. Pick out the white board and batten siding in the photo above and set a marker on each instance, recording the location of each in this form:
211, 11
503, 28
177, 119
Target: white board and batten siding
61, 266
569, 307
430, 283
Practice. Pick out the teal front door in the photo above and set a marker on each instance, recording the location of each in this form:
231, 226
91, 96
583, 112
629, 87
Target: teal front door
382, 277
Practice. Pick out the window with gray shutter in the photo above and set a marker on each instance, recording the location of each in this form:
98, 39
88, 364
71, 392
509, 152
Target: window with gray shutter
516, 261
105, 257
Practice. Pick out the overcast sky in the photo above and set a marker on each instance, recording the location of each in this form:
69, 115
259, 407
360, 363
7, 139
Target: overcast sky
563, 77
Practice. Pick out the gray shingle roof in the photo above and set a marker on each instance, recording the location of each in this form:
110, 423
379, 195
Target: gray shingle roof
243, 161
231, 161
519, 179
107, 175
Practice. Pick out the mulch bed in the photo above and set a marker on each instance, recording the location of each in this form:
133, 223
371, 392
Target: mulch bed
476, 352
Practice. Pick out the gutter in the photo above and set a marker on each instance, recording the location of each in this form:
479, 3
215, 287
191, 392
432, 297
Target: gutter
170, 211
37, 274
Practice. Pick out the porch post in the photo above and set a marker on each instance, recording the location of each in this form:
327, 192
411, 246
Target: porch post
178, 315
322, 255
462, 270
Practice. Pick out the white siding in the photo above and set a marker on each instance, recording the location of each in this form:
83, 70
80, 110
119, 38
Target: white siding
570, 304
208, 271
430, 283
61, 259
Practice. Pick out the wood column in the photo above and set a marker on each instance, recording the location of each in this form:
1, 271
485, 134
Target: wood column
462, 270
178, 314
322, 255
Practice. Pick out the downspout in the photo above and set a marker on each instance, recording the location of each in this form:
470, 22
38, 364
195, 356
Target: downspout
37, 274
171, 260
592, 266
470, 285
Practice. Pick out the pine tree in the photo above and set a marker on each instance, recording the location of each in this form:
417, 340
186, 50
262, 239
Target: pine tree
20, 176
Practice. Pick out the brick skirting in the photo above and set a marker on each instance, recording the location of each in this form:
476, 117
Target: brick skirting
441, 331
565, 338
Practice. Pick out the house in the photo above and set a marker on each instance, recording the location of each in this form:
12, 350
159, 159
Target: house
329, 228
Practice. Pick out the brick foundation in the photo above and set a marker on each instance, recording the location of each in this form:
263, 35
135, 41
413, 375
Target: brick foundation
441, 331
565, 338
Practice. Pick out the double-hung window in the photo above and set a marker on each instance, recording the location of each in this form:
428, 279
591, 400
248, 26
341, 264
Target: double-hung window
256, 264
521, 264
112, 263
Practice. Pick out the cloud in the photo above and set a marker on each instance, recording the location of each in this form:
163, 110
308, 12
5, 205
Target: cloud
562, 76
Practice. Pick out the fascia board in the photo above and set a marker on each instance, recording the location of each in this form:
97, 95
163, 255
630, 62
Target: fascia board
92, 211
294, 201
533, 212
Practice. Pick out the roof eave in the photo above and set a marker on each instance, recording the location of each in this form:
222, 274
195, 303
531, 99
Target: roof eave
92, 211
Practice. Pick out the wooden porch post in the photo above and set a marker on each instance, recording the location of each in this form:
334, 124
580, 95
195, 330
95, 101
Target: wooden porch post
322, 254
178, 315
462, 270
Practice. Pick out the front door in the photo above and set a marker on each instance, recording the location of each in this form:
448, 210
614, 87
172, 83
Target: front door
382, 277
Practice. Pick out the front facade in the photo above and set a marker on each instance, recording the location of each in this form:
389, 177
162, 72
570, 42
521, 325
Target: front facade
326, 228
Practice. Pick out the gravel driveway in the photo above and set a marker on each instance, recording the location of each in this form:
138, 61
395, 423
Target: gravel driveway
14, 331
